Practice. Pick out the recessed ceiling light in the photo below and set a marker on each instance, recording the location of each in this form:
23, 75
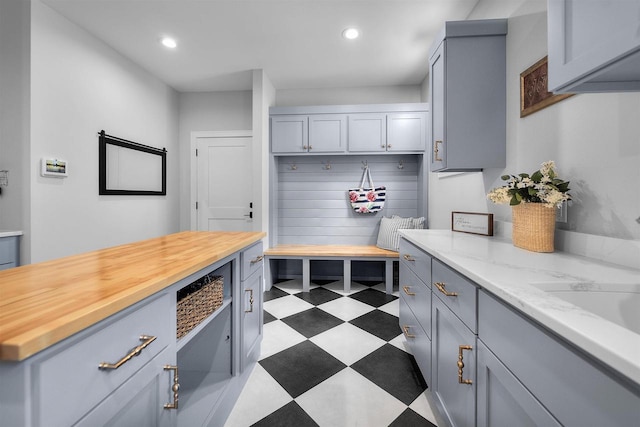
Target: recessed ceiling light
169, 42
350, 33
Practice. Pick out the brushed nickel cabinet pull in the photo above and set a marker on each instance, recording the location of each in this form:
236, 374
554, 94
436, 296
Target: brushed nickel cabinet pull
250, 301
436, 151
441, 288
174, 388
408, 257
461, 364
257, 259
147, 339
406, 291
405, 330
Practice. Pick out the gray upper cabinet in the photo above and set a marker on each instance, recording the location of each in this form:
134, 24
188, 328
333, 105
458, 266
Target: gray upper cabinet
399, 132
349, 129
368, 132
290, 134
468, 96
594, 46
323, 133
406, 131
327, 133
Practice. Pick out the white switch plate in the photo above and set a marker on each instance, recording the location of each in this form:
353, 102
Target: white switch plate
561, 213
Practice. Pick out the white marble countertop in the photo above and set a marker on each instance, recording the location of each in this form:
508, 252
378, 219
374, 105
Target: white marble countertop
9, 233
509, 272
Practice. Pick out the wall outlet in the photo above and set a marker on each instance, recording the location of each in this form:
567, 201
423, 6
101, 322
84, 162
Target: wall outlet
561, 213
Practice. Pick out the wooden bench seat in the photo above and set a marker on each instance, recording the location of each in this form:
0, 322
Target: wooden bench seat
346, 253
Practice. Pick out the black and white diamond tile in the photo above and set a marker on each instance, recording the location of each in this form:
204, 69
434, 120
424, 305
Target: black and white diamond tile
332, 358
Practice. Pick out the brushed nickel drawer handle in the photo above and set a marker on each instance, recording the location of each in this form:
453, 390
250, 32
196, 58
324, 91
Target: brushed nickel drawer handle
257, 259
405, 330
174, 388
406, 291
250, 301
147, 339
441, 288
461, 364
408, 257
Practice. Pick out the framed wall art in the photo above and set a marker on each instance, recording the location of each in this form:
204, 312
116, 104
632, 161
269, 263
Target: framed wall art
534, 93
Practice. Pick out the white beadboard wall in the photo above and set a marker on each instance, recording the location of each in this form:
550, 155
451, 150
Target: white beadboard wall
312, 203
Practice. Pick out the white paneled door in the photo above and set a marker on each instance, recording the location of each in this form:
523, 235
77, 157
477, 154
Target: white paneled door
224, 184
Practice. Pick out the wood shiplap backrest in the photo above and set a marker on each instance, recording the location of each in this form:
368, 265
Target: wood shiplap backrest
312, 203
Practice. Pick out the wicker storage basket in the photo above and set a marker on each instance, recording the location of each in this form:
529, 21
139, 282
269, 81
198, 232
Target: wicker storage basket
197, 301
533, 227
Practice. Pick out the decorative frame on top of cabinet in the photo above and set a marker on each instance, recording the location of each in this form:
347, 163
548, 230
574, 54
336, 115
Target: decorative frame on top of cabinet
467, 76
594, 46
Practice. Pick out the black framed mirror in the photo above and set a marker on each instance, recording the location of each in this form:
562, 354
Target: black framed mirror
129, 168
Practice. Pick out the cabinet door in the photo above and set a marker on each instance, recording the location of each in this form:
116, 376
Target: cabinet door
289, 134
416, 338
436, 77
455, 399
406, 131
327, 133
502, 399
594, 46
251, 318
140, 401
367, 132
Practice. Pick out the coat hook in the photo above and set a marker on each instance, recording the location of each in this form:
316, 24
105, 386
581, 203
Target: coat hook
365, 164
294, 167
400, 164
327, 165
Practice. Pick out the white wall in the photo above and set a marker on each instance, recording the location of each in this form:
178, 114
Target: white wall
594, 139
79, 86
348, 96
15, 27
207, 111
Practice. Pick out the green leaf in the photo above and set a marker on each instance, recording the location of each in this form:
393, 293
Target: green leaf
505, 177
536, 177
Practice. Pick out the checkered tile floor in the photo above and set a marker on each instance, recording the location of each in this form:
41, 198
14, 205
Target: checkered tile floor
332, 359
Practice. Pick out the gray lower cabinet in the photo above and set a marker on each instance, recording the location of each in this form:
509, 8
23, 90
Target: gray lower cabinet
453, 369
93, 378
467, 74
9, 252
594, 46
573, 387
493, 366
503, 401
148, 387
252, 315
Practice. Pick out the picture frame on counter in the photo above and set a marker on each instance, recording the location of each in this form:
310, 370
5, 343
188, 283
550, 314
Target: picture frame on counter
472, 223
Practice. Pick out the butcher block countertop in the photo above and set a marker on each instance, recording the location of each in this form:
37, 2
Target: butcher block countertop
43, 303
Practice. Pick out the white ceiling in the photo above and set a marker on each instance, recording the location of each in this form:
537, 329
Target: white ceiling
297, 43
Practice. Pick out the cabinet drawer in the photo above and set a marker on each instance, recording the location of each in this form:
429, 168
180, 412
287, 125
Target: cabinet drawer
457, 292
577, 390
417, 340
251, 260
9, 250
72, 374
417, 296
417, 260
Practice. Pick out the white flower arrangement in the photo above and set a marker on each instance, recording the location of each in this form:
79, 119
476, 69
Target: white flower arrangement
542, 186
